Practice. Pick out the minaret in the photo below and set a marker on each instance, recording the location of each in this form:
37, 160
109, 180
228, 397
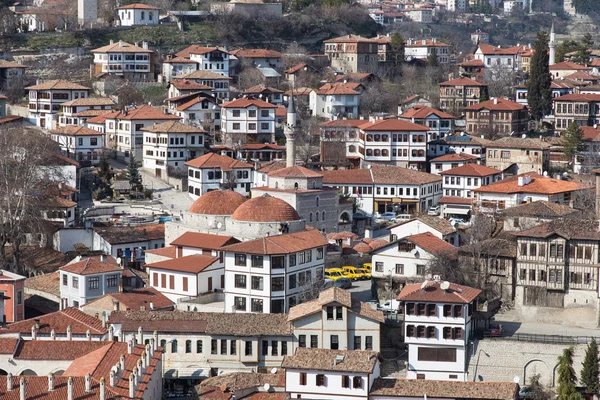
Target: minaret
552, 46
290, 130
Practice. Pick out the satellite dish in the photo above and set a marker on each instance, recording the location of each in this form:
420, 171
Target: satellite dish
445, 285
119, 260
516, 379
274, 371
424, 285
267, 387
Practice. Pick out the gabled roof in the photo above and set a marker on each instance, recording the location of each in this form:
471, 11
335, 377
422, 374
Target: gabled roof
454, 157
569, 229
519, 143
471, 170
295, 172
195, 49
421, 112
202, 74
280, 244
539, 184
432, 244
179, 60
350, 39
193, 264
213, 160
245, 102
391, 174
578, 97
348, 176
455, 200
540, 209
121, 47
497, 104
173, 127
143, 112
256, 53
430, 291
90, 266
336, 89
343, 123
73, 130
137, 6
416, 388
200, 240
186, 84
79, 322
583, 76
90, 101
57, 85
258, 89
10, 64
138, 298
357, 361
488, 49
439, 224
567, 66
472, 63
295, 68
196, 100
392, 125
462, 82
590, 133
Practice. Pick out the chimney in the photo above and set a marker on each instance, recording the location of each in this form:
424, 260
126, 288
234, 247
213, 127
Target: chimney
144, 361
69, 333
70, 388
50, 382
520, 181
120, 43
155, 344
136, 44
102, 389
112, 41
113, 378
145, 45
423, 42
52, 334
130, 346
140, 335
22, 389
495, 100
9, 385
151, 305
111, 332
33, 332
103, 258
122, 362
148, 355
135, 372
37, 323
116, 305
131, 387
88, 382
140, 368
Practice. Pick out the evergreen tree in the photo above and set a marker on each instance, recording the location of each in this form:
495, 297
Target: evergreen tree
397, 48
572, 140
133, 173
584, 50
104, 169
566, 46
566, 376
539, 94
432, 59
590, 371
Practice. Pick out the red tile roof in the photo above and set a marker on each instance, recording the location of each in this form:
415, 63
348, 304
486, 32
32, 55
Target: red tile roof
143, 112
123, 47
191, 264
217, 202
421, 112
138, 298
55, 349
265, 209
454, 157
79, 321
245, 102
348, 176
430, 291
186, 84
392, 125
567, 65
343, 123
359, 361
487, 49
90, 266
432, 244
391, 174
415, 389
471, 170
281, 244
590, 133
138, 6
539, 184
455, 200
472, 63
213, 160
497, 104
57, 85
262, 146
173, 127
256, 53
169, 251
295, 172
336, 89
179, 60
203, 240
578, 97
8, 345
205, 75
258, 89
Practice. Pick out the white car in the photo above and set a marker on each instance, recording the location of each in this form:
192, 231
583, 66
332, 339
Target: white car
391, 306
387, 216
433, 210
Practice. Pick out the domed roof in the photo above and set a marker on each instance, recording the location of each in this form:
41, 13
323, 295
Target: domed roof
265, 209
217, 202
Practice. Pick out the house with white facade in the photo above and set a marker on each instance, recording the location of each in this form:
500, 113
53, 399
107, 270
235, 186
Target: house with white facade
137, 14
423, 48
167, 146
451, 160
248, 120
85, 280
439, 227
172, 67
498, 60
124, 59
334, 100
199, 109
181, 87
439, 123
264, 58
212, 59
46, 99
422, 14
128, 242
335, 321
79, 111
124, 129
214, 172
457, 5
219, 82
80, 143
409, 257
266, 275
437, 329
458, 144
380, 188
330, 374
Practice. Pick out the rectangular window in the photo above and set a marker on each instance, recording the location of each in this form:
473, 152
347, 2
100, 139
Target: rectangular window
436, 354
330, 313
368, 342
233, 347
334, 342
94, 282
240, 281
277, 284
356, 343
75, 281
284, 348
400, 269
277, 262
257, 261
301, 340
240, 303
302, 378
320, 380
379, 266
65, 279
223, 346
314, 341
172, 282
357, 382
185, 283
274, 348
345, 381
292, 281
240, 260
257, 283
248, 348
265, 347
213, 346
457, 311
339, 314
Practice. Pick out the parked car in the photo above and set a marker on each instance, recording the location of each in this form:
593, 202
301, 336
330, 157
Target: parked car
343, 283
352, 272
495, 330
434, 210
387, 216
335, 273
328, 283
366, 273
391, 306
367, 266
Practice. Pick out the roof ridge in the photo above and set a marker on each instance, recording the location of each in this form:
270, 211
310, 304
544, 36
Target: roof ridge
76, 320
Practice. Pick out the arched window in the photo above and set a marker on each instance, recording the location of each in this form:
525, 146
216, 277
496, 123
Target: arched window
188, 346
317, 216
295, 185
323, 215
310, 217
174, 346
369, 152
377, 152
317, 201
385, 153
314, 185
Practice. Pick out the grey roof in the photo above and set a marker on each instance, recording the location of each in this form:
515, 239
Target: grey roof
268, 72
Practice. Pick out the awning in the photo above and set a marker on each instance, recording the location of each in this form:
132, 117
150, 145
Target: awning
192, 372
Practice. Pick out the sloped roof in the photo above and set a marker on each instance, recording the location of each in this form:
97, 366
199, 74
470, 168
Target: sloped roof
202, 74
348, 176
415, 388
540, 208
497, 104
90, 266
420, 112
137, 6
391, 174
213, 160
454, 157
186, 84
567, 65
578, 97
138, 298
488, 49
73, 130
519, 143
173, 127
430, 291
432, 244
217, 202
256, 53
463, 82
441, 225
90, 101
280, 244
343, 123
57, 85
245, 102
194, 264
392, 125
121, 47
569, 229
471, 170
358, 361
539, 184
143, 112
131, 234
203, 240
295, 172
59, 321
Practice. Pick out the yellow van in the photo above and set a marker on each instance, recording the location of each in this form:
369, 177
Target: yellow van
334, 273
367, 266
352, 272
366, 273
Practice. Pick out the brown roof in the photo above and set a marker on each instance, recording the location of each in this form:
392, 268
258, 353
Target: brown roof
8, 345
143, 112
42, 259
173, 127
578, 97
55, 350
217, 202
181, 60
138, 298
519, 143
569, 229
391, 174
540, 208
334, 295
90, 101
295, 172
359, 361
11, 64
59, 320
539, 184
237, 324
213, 160
343, 123
420, 112
57, 85
348, 176
454, 157
257, 89
193, 264
392, 125
281, 244
567, 65
295, 68
203, 240
138, 6
271, 166
245, 102
169, 251
72, 130
91, 113
336, 89
256, 53
350, 39
439, 224
462, 82
455, 200
47, 283
262, 146
497, 104
186, 84
265, 209
472, 63
432, 244
488, 49
245, 380
190, 103
430, 291
121, 47
202, 74
471, 170
131, 234
90, 266
415, 388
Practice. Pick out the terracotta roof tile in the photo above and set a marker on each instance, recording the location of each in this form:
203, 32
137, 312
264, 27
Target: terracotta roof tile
121, 47
295, 172
488, 49
179, 60
173, 127
336, 89
262, 146
59, 320
440, 224
519, 143
256, 53
281, 244
578, 97
91, 113
359, 361
217, 202
343, 123
392, 125
348, 176
245, 380
8, 345
414, 388
72, 130
213, 160
202, 74
454, 157
143, 112
57, 85
432, 244
271, 166
90, 266
391, 174
567, 65
47, 283
203, 240
265, 209
295, 68
169, 251
430, 291
455, 200
422, 112
135, 299
497, 104
471, 170
90, 101
539, 184
55, 349
190, 103
258, 89
472, 63
186, 84
191, 264
569, 229
138, 6
462, 82
542, 209
245, 102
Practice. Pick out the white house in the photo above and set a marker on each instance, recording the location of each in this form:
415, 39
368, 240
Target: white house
80, 143
219, 82
334, 100
457, 5
423, 48
330, 374
202, 110
85, 280
458, 144
266, 275
212, 59
336, 321
437, 328
124, 59
172, 67
137, 14
45, 100
409, 257
248, 120
128, 242
79, 111
439, 123
167, 146
213, 172
439, 227
498, 60
182, 87
450, 161
422, 14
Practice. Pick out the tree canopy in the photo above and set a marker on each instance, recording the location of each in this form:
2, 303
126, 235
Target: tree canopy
572, 140
567, 379
539, 94
589, 371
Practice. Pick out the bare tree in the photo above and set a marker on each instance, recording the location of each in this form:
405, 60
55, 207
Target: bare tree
380, 97
248, 77
106, 11
500, 81
311, 289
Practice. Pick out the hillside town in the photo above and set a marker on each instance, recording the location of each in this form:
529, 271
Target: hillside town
274, 200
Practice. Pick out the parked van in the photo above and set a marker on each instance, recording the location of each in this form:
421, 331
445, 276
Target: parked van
367, 266
352, 272
334, 274
366, 273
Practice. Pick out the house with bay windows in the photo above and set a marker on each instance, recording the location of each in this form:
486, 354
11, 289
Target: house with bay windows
437, 329
46, 99
214, 172
248, 120
124, 59
439, 123
267, 275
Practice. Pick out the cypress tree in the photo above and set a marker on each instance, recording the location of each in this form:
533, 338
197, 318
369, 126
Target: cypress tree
133, 174
590, 371
566, 376
432, 59
539, 94
572, 140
